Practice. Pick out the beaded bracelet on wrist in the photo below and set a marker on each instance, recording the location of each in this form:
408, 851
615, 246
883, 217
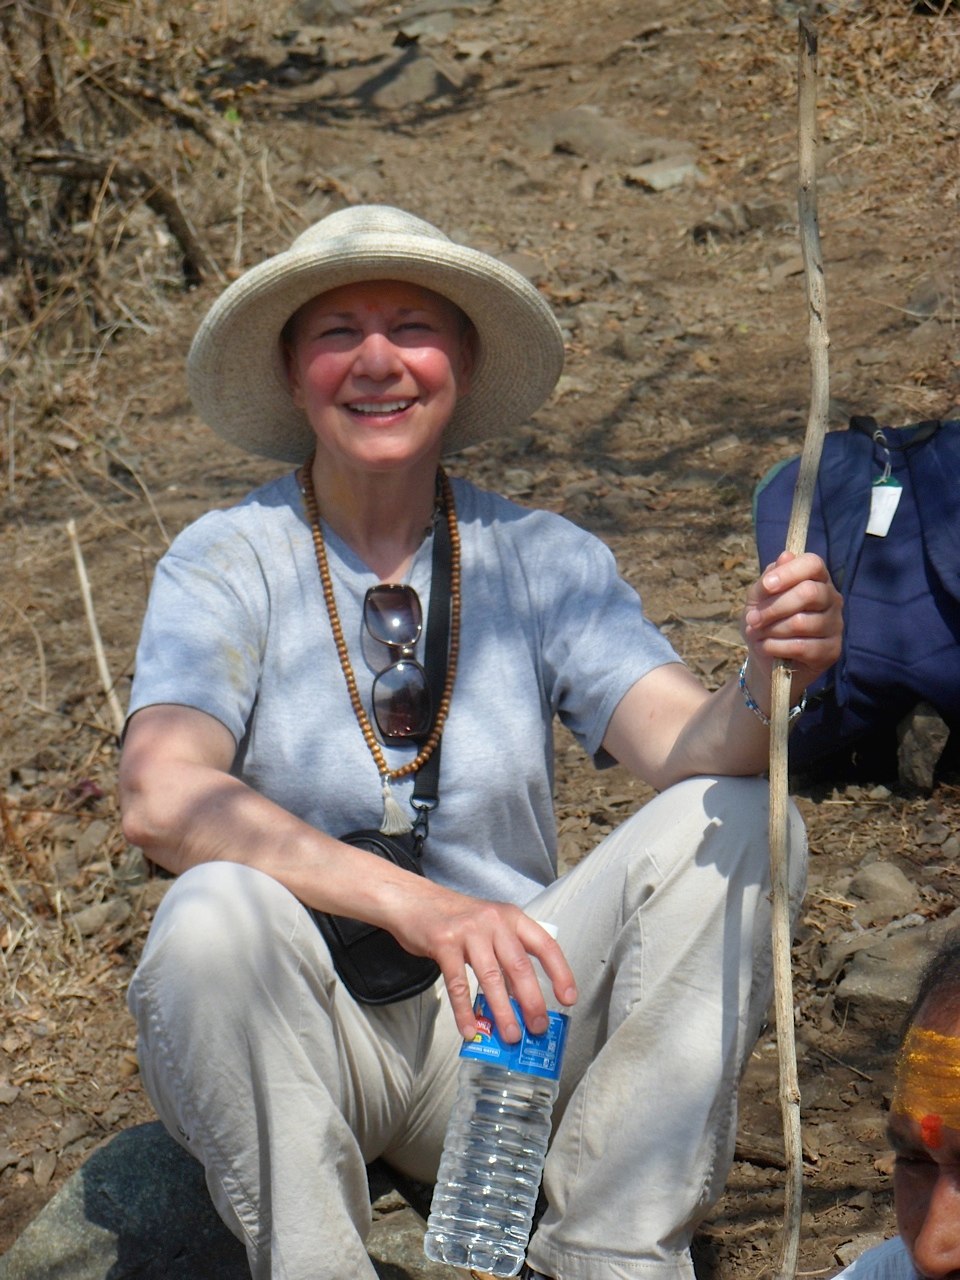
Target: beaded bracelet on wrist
755, 707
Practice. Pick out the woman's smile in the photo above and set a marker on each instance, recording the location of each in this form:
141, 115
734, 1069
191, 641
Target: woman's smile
373, 409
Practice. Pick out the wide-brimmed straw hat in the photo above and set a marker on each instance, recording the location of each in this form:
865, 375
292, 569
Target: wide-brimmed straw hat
235, 368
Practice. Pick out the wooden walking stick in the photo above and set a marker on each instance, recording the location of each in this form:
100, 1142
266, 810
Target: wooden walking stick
818, 342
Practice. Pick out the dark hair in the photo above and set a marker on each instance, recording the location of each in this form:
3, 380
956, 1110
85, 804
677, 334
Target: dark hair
941, 975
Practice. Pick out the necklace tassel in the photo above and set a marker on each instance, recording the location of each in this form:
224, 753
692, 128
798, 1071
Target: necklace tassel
395, 821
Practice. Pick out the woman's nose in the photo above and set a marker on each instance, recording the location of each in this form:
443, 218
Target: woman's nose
936, 1247
376, 357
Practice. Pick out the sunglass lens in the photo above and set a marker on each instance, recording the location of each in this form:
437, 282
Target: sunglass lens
393, 614
401, 701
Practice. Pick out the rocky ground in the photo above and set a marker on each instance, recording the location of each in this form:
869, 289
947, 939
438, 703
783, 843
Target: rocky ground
638, 162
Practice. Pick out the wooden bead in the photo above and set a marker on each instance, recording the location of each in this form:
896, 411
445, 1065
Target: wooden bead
326, 582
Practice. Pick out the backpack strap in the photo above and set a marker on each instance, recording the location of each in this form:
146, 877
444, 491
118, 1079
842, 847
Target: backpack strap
901, 438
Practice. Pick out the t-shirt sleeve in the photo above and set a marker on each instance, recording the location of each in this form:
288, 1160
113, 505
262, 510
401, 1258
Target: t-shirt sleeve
203, 633
597, 641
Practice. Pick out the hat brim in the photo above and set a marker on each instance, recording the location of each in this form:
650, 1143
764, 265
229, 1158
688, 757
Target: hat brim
236, 376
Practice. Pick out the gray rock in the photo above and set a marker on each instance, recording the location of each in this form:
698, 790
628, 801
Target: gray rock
433, 26
323, 11
585, 132
528, 264
881, 979
739, 218
883, 893
921, 738
428, 7
94, 919
413, 77
395, 1245
139, 1208
661, 175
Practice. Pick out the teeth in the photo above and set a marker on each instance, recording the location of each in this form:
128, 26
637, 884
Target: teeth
381, 407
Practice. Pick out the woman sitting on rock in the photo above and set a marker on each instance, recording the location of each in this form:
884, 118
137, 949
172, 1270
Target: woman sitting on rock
284, 696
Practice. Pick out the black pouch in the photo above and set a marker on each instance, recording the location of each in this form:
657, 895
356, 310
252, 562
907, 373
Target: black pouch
372, 965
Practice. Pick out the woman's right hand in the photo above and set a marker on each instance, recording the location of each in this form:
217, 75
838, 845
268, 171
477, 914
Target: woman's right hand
497, 941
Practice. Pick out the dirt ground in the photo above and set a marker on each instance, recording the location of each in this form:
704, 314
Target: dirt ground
524, 127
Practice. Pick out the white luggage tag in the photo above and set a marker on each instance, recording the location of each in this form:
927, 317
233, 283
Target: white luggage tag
885, 496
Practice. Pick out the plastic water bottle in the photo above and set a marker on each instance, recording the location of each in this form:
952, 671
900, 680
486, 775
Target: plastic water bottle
495, 1146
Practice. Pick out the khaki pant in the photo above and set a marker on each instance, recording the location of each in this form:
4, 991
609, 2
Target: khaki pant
262, 1065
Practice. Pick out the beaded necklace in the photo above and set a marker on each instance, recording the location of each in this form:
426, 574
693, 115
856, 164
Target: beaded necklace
395, 820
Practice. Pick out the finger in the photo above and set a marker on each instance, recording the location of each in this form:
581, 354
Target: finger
458, 993
528, 974
788, 570
807, 599
494, 987
524, 985
550, 955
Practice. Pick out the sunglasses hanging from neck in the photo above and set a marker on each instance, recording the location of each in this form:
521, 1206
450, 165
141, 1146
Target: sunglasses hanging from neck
440, 666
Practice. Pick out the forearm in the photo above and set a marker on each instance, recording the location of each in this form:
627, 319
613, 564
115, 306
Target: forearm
668, 727
724, 736
181, 814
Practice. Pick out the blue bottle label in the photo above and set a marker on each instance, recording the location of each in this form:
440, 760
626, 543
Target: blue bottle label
533, 1055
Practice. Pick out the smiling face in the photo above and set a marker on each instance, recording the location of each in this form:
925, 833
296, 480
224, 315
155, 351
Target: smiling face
924, 1132
377, 368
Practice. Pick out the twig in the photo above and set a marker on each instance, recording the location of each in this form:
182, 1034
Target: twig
944, 316
822, 1053
755, 1148
194, 118
112, 700
236, 260
11, 444
197, 263
818, 343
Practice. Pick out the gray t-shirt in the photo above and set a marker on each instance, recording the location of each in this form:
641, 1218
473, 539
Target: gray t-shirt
236, 626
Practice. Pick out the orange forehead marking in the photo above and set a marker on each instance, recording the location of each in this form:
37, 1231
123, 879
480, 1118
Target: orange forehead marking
928, 1082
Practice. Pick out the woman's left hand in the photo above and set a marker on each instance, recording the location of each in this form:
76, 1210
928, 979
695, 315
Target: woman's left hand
794, 614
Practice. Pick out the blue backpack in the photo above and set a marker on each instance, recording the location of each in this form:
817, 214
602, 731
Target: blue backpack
901, 589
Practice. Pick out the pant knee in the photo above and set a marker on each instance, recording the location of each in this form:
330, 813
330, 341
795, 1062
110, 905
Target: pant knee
220, 927
738, 811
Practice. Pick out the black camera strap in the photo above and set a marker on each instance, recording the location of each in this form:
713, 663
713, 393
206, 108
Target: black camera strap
425, 796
